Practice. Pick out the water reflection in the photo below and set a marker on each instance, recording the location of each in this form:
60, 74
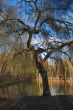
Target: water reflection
61, 88
25, 89
21, 89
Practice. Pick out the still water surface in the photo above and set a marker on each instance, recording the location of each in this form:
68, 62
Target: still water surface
24, 89
61, 88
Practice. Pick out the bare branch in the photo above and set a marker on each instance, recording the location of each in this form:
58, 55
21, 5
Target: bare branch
57, 49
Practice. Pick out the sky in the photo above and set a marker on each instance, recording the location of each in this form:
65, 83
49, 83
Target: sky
21, 14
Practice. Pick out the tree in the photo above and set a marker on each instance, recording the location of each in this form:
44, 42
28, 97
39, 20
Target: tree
47, 20
60, 68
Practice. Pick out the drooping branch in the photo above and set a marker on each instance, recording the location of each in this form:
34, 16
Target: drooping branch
67, 56
66, 44
57, 49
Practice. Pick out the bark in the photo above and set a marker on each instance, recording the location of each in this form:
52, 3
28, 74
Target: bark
43, 73
40, 67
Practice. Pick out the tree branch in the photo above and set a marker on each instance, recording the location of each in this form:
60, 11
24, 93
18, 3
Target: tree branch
57, 49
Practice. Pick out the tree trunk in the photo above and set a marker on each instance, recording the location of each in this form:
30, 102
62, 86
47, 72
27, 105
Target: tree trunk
43, 73
44, 76
40, 67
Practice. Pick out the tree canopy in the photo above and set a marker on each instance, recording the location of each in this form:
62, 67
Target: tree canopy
50, 21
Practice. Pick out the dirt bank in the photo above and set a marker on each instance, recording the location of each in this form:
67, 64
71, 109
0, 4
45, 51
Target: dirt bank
38, 103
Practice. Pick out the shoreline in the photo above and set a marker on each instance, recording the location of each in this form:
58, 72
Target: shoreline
58, 102
57, 80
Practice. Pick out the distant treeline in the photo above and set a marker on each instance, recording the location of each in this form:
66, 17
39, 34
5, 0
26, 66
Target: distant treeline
22, 66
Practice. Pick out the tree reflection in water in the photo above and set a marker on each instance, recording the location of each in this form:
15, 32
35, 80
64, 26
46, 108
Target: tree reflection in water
23, 89
61, 88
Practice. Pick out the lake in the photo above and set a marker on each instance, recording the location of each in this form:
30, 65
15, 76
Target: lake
35, 89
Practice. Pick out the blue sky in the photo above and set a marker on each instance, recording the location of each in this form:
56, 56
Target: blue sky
21, 14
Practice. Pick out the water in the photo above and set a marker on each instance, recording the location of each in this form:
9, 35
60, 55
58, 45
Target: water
35, 89
20, 90
61, 88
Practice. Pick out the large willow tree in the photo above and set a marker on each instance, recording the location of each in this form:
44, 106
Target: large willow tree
48, 22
